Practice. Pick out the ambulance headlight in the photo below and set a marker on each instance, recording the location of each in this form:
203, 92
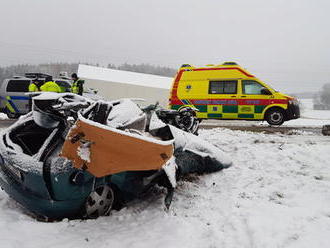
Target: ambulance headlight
294, 101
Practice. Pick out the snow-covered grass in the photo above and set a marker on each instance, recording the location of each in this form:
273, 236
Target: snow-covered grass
310, 117
276, 194
305, 122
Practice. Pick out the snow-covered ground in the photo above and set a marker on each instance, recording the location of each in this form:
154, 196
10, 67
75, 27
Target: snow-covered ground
3, 116
310, 117
276, 194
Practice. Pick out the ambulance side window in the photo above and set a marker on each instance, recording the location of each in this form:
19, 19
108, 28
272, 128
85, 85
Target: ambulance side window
251, 87
223, 87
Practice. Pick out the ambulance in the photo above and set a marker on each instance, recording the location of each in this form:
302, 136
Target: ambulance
228, 91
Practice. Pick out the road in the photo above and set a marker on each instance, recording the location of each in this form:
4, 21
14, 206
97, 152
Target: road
252, 126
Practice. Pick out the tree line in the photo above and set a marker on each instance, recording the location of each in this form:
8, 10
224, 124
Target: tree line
322, 98
55, 69
145, 68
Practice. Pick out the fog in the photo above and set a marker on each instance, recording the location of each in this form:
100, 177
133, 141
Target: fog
285, 43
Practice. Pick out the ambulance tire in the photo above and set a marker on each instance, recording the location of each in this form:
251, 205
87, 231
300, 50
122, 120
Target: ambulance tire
12, 115
275, 116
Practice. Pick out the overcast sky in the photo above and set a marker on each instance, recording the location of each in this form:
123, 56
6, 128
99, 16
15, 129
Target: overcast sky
284, 42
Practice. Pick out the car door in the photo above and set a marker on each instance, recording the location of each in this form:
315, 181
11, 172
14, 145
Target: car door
254, 99
222, 101
17, 100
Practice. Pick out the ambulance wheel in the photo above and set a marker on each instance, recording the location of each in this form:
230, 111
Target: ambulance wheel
99, 202
275, 116
11, 115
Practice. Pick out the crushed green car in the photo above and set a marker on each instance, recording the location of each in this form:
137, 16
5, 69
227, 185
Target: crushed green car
35, 171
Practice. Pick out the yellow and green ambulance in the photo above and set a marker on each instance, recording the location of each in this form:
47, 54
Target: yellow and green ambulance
228, 91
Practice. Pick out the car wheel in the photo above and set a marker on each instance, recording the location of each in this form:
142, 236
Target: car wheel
99, 202
12, 115
275, 116
195, 127
187, 121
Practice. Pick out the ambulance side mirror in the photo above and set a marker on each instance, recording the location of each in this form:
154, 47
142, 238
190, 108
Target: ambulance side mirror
265, 91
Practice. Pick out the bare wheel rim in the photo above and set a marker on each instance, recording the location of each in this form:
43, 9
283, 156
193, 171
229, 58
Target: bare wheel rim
99, 202
185, 120
195, 126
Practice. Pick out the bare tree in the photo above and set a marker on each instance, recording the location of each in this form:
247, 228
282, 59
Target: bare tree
325, 94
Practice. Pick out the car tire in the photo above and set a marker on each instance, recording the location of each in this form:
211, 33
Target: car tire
99, 202
275, 116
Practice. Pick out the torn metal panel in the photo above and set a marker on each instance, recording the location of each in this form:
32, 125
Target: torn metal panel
112, 151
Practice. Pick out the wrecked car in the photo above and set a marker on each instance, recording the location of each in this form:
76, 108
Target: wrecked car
72, 157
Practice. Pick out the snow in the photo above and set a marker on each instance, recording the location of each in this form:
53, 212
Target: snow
3, 116
63, 97
276, 194
170, 168
49, 96
193, 143
124, 77
311, 116
133, 135
123, 113
305, 122
84, 152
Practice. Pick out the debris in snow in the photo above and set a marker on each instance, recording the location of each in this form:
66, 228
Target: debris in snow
170, 170
189, 142
106, 127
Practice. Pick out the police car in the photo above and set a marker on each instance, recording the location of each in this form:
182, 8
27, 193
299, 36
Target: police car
13, 98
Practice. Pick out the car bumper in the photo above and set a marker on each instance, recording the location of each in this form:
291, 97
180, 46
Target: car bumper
293, 111
41, 207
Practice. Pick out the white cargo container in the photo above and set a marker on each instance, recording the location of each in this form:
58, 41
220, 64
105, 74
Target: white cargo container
114, 84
